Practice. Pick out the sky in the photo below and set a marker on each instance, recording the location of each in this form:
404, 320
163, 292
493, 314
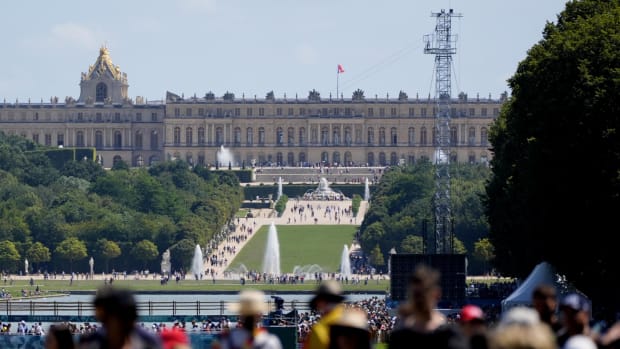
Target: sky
252, 47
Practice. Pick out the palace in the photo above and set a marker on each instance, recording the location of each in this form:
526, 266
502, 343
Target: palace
288, 131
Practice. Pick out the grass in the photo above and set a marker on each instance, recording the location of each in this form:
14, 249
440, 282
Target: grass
242, 213
50, 287
300, 245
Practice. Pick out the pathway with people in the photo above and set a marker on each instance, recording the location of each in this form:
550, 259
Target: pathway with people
326, 213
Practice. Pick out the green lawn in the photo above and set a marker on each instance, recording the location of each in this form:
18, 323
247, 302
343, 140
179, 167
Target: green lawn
300, 245
50, 287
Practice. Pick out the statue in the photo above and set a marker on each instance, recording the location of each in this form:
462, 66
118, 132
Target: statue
26, 265
91, 263
165, 262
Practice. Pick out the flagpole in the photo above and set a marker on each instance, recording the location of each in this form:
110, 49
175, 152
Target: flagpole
339, 69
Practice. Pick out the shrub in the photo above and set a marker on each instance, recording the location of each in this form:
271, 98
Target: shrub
355, 204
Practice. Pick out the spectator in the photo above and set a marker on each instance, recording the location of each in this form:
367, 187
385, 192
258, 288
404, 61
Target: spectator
328, 303
575, 317
521, 328
59, 336
117, 311
174, 338
545, 302
350, 331
420, 323
474, 326
250, 334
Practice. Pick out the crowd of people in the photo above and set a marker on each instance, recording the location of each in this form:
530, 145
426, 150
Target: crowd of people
554, 321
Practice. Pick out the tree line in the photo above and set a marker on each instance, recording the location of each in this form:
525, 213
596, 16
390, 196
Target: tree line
124, 218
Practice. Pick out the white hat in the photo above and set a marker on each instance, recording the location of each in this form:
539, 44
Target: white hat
251, 302
353, 318
579, 342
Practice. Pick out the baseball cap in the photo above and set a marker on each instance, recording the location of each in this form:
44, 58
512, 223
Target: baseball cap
576, 302
471, 312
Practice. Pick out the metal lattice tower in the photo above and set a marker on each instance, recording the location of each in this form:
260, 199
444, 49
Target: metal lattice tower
441, 44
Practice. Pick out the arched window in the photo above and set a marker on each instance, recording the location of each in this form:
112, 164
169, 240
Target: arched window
453, 136
302, 136
411, 135
118, 139
249, 136
98, 139
393, 159
154, 141
471, 138
177, 136
116, 159
290, 161
371, 136
219, 136
279, 136
336, 158
325, 157
139, 161
189, 136
484, 136
79, 139
371, 159
394, 136
381, 135
279, 159
290, 136
261, 136
348, 159
101, 92
138, 142
423, 139
237, 136
382, 160
201, 136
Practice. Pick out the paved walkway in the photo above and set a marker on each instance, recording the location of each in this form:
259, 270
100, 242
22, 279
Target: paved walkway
326, 213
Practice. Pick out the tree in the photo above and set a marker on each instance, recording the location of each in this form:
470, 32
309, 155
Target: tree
376, 257
9, 256
107, 250
182, 253
38, 253
483, 251
72, 250
144, 251
556, 155
412, 244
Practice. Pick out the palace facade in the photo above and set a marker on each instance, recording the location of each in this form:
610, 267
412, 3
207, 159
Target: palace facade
286, 131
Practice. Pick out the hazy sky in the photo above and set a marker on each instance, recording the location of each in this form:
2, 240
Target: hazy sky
252, 47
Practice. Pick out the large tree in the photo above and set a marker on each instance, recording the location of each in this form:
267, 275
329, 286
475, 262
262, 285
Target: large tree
555, 189
72, 250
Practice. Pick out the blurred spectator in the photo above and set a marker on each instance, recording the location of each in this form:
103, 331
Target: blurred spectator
350, 331
420, 323
545, 302
574, 316
174, 338
521, 328
59, 336
328, 303
117, 311
249, 334
474, 326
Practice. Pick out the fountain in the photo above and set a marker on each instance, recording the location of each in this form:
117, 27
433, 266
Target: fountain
324, 192
366, 191
197, 263
279, 188
345, 263
271, 260
224, 156
308, 272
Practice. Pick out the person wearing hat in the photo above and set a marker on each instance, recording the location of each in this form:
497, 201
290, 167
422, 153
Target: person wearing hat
250, 334
350, 331
328, 302
574, 316
473, 323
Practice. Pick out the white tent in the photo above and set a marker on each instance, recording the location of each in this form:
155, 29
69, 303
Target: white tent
543, 273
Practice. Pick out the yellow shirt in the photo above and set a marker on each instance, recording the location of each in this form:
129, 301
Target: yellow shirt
318, 338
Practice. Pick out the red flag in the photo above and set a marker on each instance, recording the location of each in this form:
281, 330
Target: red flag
340, 69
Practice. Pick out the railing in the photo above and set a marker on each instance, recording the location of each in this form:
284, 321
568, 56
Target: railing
148, 308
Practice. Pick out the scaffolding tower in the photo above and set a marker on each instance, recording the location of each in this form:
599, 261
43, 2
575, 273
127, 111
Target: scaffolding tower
442, 45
